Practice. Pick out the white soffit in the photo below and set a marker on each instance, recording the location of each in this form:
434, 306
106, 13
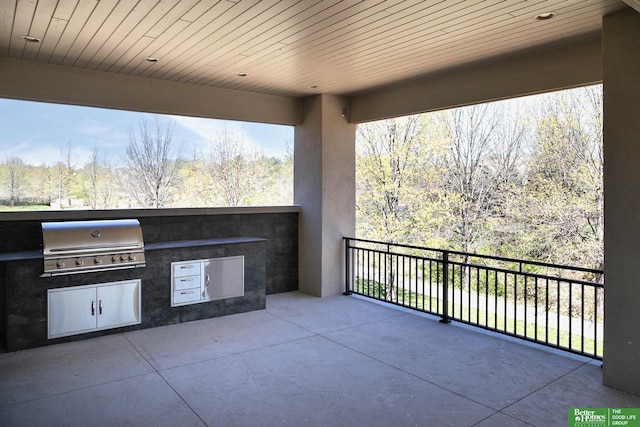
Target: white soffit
290, 48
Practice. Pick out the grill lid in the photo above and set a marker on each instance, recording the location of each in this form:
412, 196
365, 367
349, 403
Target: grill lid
84, 246
70, 237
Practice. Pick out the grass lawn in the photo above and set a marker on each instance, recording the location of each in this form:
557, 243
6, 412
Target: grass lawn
25, 208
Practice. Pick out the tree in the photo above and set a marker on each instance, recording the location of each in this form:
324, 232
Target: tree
281, 191
521, 179
152, 165
392, 174
97, 182
565, 184
66, 172
393, 171
481, 163
238, 172
15, 179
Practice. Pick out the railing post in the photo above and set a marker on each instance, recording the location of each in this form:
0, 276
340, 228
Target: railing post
445, 288
347, 268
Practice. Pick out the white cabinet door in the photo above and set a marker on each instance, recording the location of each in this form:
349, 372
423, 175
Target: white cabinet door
223, 278
89, 308
72, 311
118, 304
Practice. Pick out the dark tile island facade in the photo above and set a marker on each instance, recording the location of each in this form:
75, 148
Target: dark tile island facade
268, 241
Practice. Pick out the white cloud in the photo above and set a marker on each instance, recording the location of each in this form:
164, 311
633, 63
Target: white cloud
47, 154
271, 140
92, 127
206, 129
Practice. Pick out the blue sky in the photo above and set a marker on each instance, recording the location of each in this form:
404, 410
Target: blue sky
39, 133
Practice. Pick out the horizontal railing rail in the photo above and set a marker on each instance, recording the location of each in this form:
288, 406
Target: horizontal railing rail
554, 305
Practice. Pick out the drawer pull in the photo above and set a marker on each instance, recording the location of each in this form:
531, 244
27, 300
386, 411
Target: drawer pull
190, 279
186, 292
186, 266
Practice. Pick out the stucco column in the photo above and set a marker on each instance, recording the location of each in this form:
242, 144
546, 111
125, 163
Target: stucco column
621, 80
324, 187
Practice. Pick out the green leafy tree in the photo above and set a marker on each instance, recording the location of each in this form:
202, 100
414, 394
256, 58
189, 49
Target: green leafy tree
394, 165
393, 186
564, 194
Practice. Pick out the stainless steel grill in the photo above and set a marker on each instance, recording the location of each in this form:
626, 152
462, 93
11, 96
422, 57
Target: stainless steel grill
71, 247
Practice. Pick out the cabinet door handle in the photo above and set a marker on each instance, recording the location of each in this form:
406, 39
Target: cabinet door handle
207, 281
93, 308
100, 307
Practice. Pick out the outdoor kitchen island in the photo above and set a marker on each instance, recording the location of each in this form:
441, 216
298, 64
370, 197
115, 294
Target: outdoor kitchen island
27, 307
266, 240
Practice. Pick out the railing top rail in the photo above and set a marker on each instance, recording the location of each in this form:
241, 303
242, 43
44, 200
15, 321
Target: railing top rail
497, 258
531, 275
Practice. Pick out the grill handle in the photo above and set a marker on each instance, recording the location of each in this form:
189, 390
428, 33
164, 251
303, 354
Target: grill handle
91, 270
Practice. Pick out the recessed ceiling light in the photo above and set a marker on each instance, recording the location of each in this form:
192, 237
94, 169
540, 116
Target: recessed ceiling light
313, 86
242, 74
30, 39
151, 59
545, 16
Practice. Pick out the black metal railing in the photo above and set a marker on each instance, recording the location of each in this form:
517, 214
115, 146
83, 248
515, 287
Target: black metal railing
554, 305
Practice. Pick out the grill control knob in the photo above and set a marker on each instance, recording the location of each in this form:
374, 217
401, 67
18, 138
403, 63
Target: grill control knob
97, 260
115, 258
79, 262
132, 257
123, 258
60, 264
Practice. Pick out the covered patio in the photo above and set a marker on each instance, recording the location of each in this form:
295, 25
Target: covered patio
339, 361
323, 68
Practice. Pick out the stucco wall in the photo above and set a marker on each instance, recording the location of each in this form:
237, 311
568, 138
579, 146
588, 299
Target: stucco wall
324, 187
621, 59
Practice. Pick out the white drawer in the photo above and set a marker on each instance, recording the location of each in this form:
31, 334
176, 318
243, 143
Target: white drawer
186, 295
186, 282
180, 269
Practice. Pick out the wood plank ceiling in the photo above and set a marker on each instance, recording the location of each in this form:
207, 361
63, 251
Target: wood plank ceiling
292, 48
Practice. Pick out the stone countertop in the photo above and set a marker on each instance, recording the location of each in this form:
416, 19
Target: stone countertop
80, 214
172, 244
201, 242
20, 256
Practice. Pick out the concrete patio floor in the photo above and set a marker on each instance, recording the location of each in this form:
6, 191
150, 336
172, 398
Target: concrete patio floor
304, 361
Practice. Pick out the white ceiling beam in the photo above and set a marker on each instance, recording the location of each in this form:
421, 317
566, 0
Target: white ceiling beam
36, 81
566, 67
